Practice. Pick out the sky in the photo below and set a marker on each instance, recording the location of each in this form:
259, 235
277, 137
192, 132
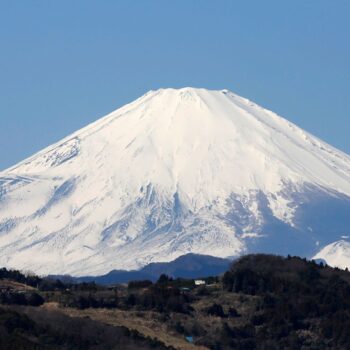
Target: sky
64, 64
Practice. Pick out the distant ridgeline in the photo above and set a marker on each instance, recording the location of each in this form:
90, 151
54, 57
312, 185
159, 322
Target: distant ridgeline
186, 266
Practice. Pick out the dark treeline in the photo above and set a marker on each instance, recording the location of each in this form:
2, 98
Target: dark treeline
15, 275
45, 284
163, 296
295, 296
31, 298
262, 302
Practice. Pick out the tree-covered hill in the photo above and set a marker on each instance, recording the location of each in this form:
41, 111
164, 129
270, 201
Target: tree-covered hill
261, 302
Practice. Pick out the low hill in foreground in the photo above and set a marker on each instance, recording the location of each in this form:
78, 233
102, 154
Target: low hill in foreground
261, 302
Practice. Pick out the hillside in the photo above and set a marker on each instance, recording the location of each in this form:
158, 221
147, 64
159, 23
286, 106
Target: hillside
262, 302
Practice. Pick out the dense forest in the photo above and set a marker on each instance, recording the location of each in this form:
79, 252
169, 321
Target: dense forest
261, 302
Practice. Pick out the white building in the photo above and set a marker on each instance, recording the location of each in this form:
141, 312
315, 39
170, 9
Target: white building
199, 282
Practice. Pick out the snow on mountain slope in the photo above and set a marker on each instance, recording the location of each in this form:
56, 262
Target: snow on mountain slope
176, 171
336, 254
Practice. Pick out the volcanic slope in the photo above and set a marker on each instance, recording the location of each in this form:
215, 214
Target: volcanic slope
175, 171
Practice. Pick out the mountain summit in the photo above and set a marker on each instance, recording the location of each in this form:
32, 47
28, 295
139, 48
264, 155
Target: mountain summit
175, 171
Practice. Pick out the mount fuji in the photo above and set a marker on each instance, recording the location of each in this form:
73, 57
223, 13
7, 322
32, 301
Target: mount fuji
176, 171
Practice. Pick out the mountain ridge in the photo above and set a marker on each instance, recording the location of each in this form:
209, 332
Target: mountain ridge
185, 266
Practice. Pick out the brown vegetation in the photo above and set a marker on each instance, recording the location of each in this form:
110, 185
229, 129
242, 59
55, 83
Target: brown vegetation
262, 302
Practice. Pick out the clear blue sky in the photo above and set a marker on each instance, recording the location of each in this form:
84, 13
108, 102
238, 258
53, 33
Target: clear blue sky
65, 63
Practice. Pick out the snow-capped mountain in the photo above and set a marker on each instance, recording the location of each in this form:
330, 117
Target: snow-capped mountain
336, 254
176, 171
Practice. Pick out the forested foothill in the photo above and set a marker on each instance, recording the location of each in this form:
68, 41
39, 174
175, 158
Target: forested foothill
261, 302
